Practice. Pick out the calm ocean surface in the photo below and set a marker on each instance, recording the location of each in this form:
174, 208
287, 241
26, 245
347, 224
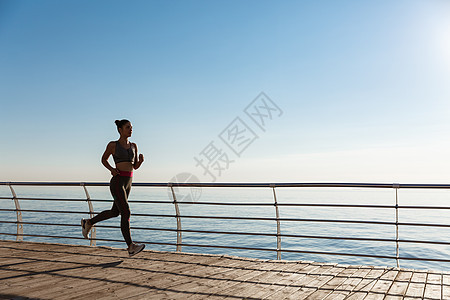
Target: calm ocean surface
260, 195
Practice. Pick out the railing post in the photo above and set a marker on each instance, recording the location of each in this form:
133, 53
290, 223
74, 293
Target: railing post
177, 213
396, 186
277, 215
91, 213
19, 235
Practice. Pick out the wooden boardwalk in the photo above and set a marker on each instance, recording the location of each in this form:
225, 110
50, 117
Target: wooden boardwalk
56, 271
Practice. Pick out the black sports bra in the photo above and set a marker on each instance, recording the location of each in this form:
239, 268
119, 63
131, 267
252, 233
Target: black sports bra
121, 154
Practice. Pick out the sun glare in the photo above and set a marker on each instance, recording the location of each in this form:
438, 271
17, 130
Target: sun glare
439, 28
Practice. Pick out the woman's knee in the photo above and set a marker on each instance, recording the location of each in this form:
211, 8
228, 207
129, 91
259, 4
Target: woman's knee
126, 214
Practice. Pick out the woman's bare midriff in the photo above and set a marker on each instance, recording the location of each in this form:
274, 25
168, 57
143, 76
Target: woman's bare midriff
124, 166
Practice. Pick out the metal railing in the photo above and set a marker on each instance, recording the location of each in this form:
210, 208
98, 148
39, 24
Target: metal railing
277, 219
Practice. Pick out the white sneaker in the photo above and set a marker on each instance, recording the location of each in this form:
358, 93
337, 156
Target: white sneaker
134, 249
85, 228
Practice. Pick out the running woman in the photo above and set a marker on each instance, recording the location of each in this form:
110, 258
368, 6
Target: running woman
126, 159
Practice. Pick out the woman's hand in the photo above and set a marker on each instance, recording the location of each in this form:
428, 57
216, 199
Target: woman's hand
138, 162
115, 172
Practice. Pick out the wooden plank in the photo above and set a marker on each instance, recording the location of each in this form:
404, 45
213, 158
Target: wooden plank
295, 273
162, 281
339, 275
297, 285
374, 296
28, 280
390, 297
415, 290
220, 277
446, 286
65, 277
235, 284
416, 287
173, 275
220, 284
12, 261
326, 274
433, 286
400, 285
362, 289
342, 274
350, 284
312, 281
264, 285
383, 284
291, 280
419, 277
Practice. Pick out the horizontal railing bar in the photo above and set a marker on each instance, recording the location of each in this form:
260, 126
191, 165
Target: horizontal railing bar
227, 203
31, 183
57, 199
79, 212
238, 185
424, 259
149, 201
47, 211
424, 242
363, 206
312, 205
53, 199
422, 207
291, 204
37, 223
84, 200
423, 224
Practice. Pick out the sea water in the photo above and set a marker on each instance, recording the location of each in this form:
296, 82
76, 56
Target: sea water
358, 196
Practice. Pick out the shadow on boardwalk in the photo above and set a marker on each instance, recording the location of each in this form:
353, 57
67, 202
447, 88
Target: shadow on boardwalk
56, 271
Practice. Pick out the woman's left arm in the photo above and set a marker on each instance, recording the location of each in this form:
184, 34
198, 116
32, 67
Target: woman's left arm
139, 160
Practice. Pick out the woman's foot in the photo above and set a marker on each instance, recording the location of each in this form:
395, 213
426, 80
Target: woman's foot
134, 248
85, 228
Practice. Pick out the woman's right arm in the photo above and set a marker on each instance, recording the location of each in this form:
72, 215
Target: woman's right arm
108, 152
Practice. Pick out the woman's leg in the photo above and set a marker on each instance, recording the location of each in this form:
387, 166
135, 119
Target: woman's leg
105, 215
120, 194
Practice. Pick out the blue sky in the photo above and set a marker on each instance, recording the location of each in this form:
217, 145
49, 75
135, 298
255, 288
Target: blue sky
363, 86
